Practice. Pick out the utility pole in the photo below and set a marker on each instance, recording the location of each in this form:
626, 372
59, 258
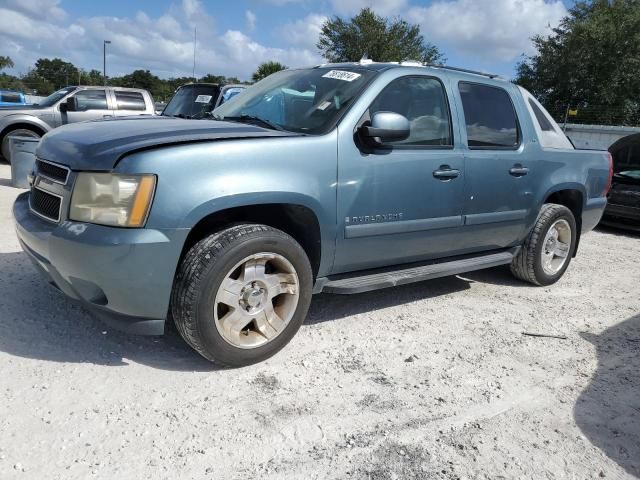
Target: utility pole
104, 60
195, 38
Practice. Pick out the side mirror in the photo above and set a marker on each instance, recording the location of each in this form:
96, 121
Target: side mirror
387, 127
70, 105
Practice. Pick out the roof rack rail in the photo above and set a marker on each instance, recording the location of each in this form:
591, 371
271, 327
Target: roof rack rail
465, 70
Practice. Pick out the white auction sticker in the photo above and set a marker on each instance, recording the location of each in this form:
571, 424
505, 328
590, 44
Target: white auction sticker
342, 75
203, 98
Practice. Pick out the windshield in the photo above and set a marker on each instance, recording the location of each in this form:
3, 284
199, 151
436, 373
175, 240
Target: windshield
306, 101
192, 101
55, 96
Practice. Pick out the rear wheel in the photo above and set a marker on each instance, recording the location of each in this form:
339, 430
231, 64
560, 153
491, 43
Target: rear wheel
16, 132
241, 294
548, 249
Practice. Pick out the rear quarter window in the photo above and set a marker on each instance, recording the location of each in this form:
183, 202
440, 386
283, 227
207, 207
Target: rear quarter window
541, 118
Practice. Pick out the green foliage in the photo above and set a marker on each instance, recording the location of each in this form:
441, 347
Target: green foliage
5, 62
266, 69
49, 75
591, 62
381, 39
92, 77
56, 72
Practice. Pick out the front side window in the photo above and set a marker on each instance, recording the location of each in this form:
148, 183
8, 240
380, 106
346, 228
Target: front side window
308, 100
489, 116
422, 100
129, 100
91, 100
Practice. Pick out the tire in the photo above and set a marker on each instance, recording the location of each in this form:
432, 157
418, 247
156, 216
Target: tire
253, 263
532, 263
17, 131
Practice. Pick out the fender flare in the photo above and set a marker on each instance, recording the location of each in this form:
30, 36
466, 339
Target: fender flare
22, 119
247, 199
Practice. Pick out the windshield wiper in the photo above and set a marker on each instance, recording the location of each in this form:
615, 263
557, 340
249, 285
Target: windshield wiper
251, 119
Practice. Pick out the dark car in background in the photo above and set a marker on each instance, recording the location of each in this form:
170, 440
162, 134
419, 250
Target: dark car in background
623, 207
196, 100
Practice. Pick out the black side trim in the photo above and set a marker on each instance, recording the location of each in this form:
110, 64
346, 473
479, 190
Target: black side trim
406, 226
494, 217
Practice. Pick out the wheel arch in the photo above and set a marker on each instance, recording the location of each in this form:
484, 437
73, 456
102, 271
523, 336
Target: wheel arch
573, 197
41, 127
296, 219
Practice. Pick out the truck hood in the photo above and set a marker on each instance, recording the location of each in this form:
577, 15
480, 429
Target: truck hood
99, 145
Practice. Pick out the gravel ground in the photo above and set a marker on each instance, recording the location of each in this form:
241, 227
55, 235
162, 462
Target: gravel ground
432, 380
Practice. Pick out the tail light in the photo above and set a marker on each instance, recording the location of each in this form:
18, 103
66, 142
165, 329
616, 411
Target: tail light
610, 179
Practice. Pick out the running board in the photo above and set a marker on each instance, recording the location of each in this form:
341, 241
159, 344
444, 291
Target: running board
385, 278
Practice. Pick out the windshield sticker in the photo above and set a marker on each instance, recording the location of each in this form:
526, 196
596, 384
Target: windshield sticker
323, 105
342, 75
203, 98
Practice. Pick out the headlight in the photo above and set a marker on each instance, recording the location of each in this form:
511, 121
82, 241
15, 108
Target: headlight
112, 199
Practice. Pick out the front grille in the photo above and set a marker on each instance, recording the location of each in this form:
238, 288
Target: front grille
52, 172
45, 204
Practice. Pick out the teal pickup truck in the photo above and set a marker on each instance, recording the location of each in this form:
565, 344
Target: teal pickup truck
342, 178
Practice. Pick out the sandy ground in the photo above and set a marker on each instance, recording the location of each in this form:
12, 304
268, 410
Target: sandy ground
432, 380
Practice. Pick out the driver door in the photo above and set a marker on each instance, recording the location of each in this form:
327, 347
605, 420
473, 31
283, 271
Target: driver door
401, 201
91, 104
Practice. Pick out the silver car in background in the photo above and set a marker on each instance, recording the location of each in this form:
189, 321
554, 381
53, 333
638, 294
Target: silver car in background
70, 105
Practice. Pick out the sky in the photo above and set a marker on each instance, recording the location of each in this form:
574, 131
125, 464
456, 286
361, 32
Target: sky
235, 36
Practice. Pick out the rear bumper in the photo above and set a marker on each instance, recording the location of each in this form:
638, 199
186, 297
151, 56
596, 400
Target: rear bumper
123, 276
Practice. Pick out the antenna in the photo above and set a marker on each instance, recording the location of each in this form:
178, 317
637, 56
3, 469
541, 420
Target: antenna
195, 38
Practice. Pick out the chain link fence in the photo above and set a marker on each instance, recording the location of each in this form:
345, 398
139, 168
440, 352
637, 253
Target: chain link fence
627, 115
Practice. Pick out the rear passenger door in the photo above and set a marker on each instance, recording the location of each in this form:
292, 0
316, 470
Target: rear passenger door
498, 194
128, 103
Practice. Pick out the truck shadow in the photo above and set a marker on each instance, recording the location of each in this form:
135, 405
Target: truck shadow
37, 321
608, 410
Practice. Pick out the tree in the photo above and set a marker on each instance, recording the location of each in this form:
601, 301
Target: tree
379, 38
589, 62
265, 69
92, 77
5, 62
56, 72
37, 84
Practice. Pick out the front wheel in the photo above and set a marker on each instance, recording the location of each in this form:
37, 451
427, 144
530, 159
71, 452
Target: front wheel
241, 294
548, 249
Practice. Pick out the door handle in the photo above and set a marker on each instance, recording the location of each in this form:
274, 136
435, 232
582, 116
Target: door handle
518, 170
107, 116
445, 172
